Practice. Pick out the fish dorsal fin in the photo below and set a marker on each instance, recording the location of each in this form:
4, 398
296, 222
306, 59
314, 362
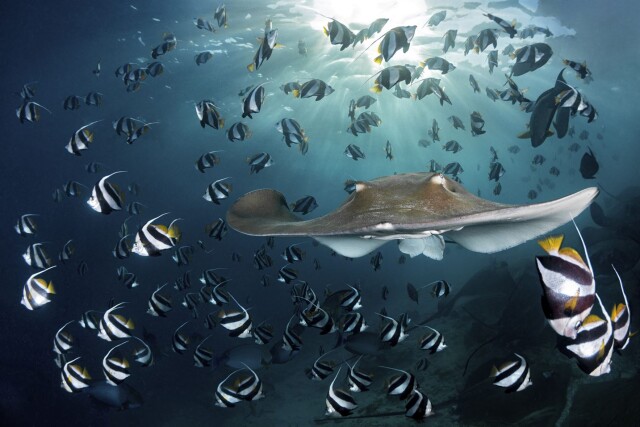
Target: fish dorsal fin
551, 244
162, 228
572, 253
592, 318
174, 232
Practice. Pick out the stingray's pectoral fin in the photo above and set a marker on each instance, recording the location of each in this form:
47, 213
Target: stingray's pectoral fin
509, 227
432, 247
263, 213
350, 246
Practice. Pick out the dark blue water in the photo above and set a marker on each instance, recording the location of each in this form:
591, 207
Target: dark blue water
57, 45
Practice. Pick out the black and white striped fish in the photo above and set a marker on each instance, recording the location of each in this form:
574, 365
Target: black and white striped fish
353, 322
27, 91
358, 380
36, 291
106, 197
238, 132
292, 253
252, 103
93, 98
209, 115
393, 40
418, 406
350, 300
315, 317
143, 355
122, 249
291, 340
90, 319
249, 388
63, 341
207, 160
321, 369
287, 275
593, 345
401, 385
391, 76
184, 282
237, 322
26, 225
354, 152
217, 191
263, 333
80, 139
159, 305
211, 278
67, 252
513, 375
72, 188
392, 332
304, 205
152, 239
215, 294
114, 326
339, 34
259, 161
568, 286
261, 259
202, 356
621, 318
217, 229
267, 44
339, 402
203, 57
126, 125
29, 111
36, 257
182, 255
74, 377
313, 88
180, 342
226, 398
432, 341
135, 208
115, 369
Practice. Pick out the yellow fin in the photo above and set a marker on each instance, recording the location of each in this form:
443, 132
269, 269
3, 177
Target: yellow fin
592, 318
125, 363
565, 61
325, 31
50, 288
174, 232
376, 88
524, 135
130, 324
296, 93
161, 227
378, 60
572, 253
251, 67
551, 244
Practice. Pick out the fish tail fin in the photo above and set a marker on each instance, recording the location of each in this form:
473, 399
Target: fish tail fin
174, 232
221, 123
551, 244
476, 49
378, 59
325, 31
296, 93
376, 88
251, 67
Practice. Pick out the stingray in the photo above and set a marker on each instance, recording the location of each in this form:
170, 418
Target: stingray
419, 209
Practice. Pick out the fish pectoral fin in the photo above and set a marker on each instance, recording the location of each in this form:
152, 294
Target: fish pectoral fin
501, 229
350, 246
431, 246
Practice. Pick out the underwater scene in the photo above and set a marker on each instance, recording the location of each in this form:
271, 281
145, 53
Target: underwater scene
320, 212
